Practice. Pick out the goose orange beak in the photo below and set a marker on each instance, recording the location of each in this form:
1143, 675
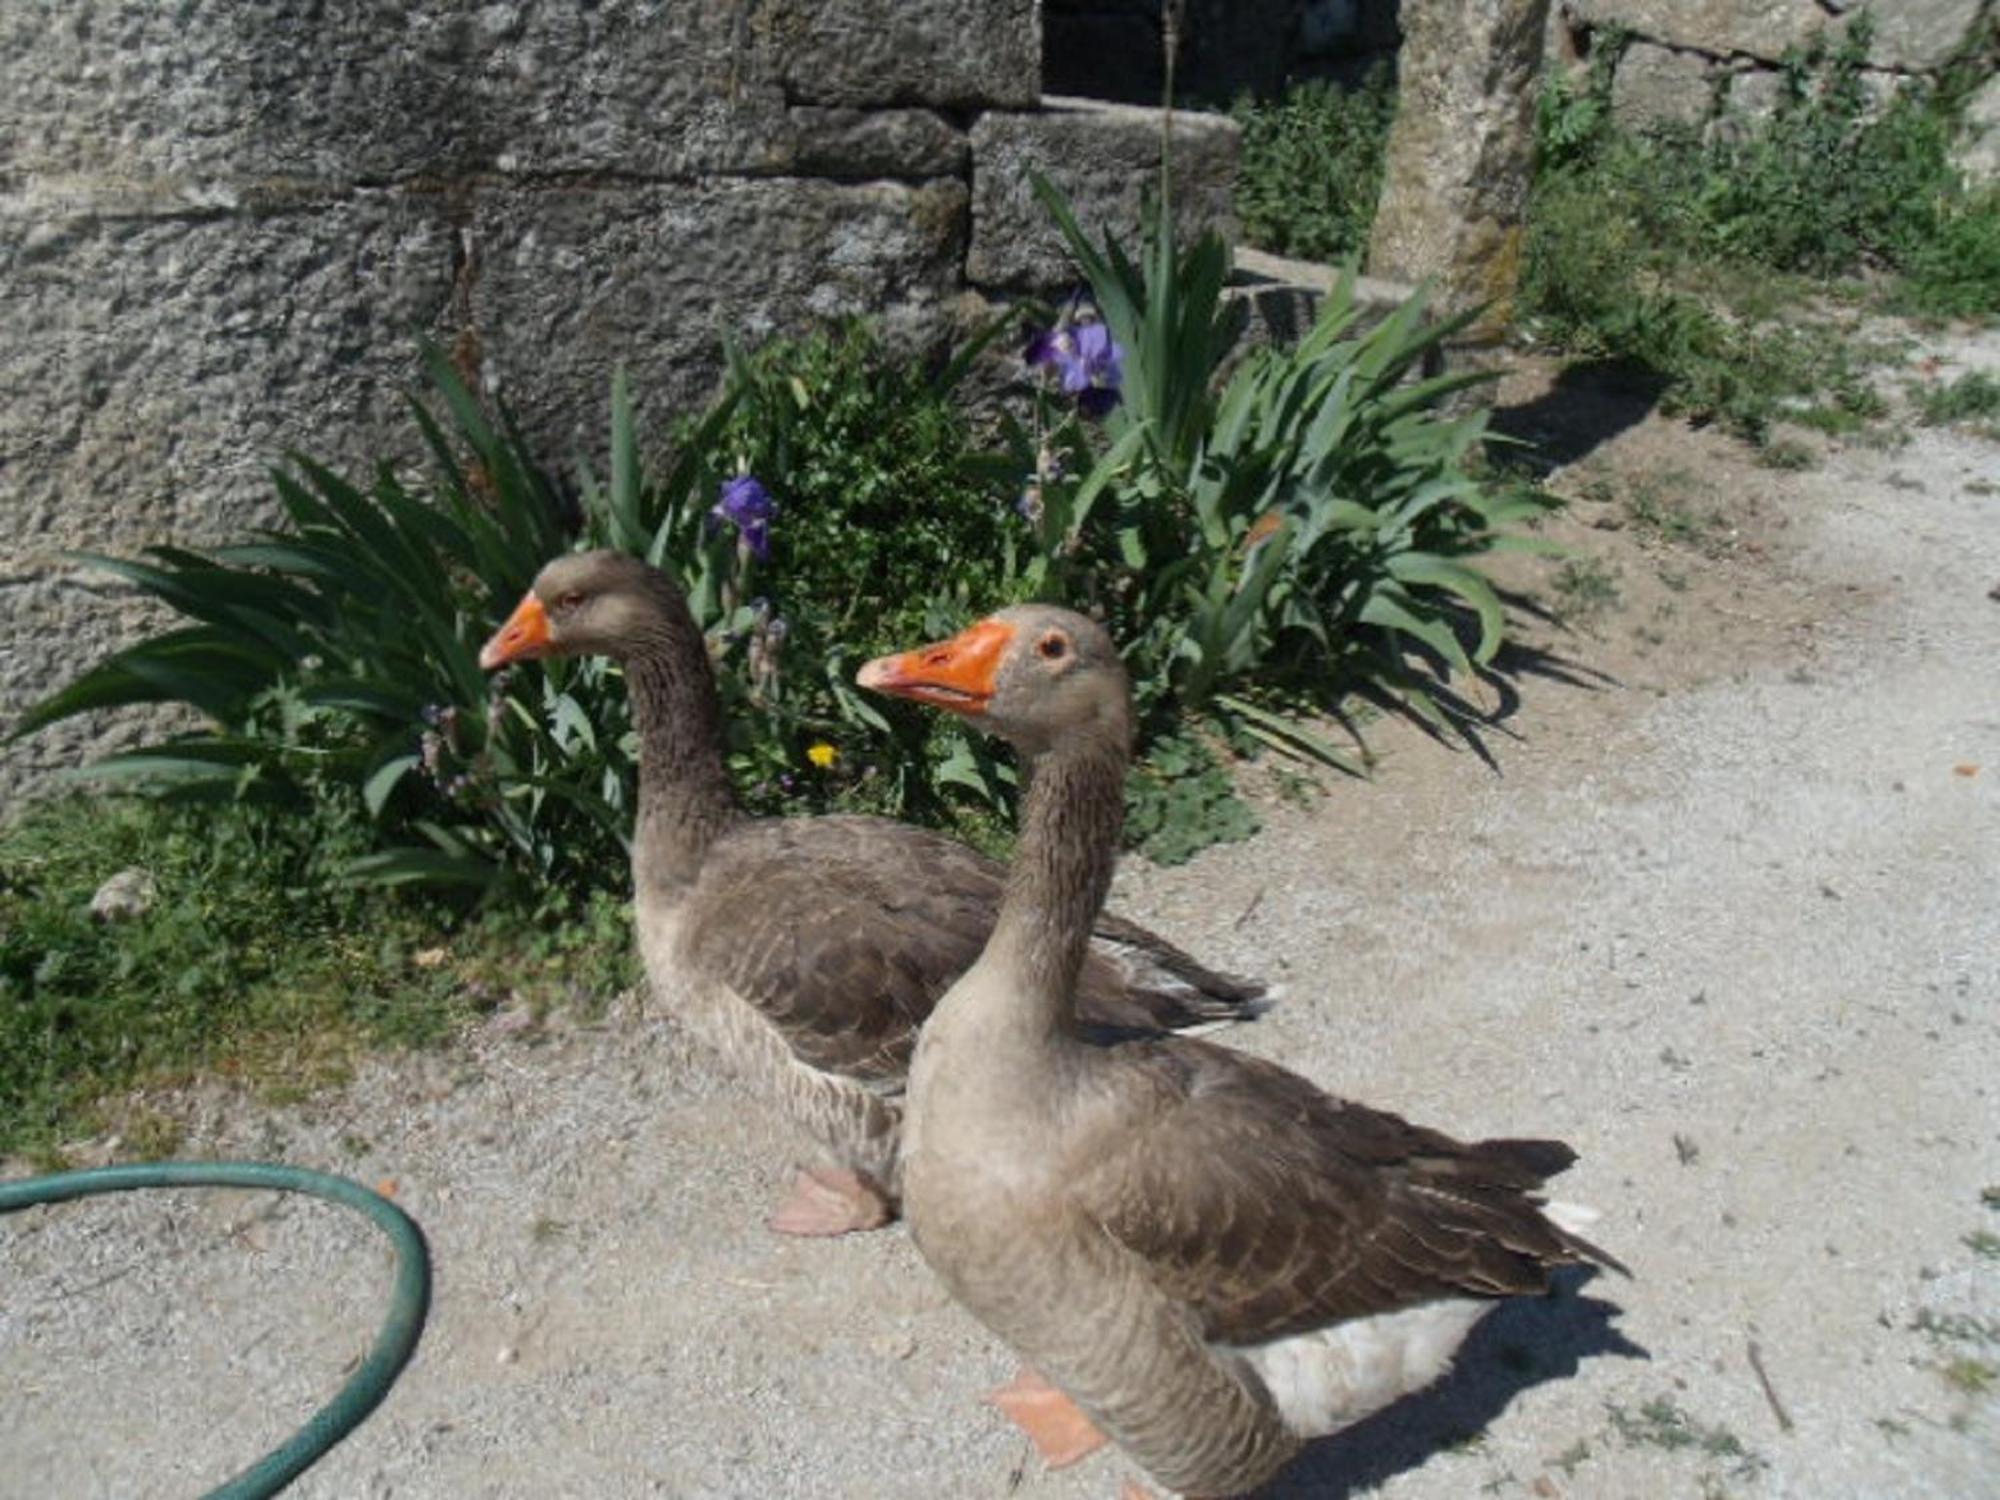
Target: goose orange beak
524, 636
960, 674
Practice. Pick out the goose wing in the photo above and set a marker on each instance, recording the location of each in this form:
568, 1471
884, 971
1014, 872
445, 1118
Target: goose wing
842, 934
845, 932
1272, 1208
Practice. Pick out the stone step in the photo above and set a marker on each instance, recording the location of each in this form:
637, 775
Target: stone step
1285, 294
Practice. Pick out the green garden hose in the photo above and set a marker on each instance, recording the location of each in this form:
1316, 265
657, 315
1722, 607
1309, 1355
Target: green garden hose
393, 1345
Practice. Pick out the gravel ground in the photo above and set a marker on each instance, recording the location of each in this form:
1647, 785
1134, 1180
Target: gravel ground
1721, 912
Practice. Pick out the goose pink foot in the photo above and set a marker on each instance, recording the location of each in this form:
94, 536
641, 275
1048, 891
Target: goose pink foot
1060, 1432
825, 1201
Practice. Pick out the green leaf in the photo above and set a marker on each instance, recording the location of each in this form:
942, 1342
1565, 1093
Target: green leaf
1289, 737
1111, 466
194, 766
628, 525
413, 866
376, 790
1390, 609
1416, 568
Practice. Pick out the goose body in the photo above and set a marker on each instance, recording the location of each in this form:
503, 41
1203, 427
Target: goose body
807, 952
1209, 1256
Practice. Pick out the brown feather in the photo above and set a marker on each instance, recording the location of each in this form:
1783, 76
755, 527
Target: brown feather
844, 932
1274, 1208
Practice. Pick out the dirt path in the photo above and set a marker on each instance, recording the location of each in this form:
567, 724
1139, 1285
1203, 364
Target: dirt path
1724, 917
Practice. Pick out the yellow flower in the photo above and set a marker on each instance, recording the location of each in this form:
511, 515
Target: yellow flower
821, 754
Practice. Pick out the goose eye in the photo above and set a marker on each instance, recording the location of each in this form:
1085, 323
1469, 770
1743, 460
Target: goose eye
1053, 648
569, 601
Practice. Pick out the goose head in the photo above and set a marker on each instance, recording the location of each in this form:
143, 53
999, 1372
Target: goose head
1033, 674
586, 604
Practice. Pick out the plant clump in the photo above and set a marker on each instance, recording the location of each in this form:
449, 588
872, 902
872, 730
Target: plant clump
1264, 532
1311, 169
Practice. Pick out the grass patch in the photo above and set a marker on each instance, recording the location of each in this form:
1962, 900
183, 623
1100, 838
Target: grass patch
1786, 455
252, 961
1658, 505
1572, 1458
1661, 1423
1969, 1376
1959, 1327
1180, 799
1973, 397
1584, 588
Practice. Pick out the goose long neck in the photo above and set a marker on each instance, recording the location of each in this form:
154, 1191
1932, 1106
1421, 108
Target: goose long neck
1070, 819
684, 793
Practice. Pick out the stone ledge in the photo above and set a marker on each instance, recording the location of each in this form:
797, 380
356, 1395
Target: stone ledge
1285, 294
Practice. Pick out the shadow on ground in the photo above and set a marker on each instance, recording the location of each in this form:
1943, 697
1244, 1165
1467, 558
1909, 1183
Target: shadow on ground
1587, 406
1466, 719
1524, 1343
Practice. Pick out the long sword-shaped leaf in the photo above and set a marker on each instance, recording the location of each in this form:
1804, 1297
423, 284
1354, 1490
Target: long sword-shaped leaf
415, 866
1389, 608
1456, 578
1289, 737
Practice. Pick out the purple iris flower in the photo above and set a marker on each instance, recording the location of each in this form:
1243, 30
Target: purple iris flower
1098, 360
1087, 360
1049, 346
748, 506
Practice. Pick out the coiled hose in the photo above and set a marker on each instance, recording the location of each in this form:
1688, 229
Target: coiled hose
393, 1345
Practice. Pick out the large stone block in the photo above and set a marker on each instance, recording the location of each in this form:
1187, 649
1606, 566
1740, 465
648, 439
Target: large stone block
156, 367
1914, 34
376, 92
569, 281
1662, 84
1106, 157
648, 87
961, 53
1753, 92
135, 90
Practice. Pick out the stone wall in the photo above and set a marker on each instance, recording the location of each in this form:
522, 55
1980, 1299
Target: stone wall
1686, 59
225, 223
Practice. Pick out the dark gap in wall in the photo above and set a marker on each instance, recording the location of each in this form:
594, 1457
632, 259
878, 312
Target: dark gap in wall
1110, 49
